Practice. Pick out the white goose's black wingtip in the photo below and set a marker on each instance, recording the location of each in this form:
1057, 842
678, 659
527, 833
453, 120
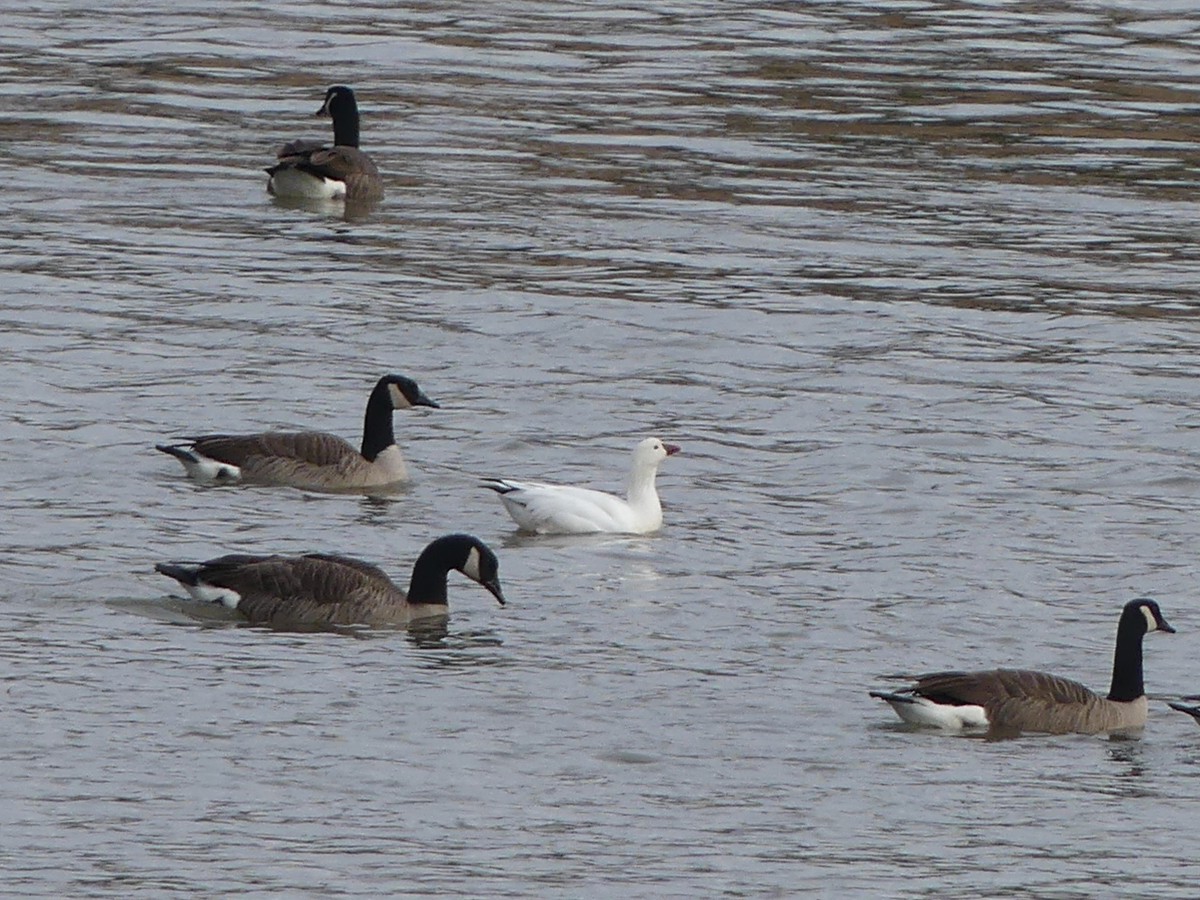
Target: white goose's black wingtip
1190, 709
499, 485
891, 697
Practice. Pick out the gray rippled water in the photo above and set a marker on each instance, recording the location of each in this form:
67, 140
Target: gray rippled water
912, 283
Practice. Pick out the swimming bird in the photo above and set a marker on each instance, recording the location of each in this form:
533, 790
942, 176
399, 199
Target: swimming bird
309, 170
319, 590
309, 459
564, 509
1009, 701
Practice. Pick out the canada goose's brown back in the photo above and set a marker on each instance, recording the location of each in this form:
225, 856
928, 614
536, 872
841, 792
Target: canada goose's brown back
348, 165
309, 459
315, 590
1026, 700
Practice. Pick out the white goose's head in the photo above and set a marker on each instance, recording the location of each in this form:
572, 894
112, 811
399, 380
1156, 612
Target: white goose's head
650, 452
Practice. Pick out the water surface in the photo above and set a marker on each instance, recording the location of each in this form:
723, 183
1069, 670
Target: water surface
912, 283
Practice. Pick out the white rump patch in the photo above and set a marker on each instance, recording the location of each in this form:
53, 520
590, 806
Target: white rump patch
296, 184
471, 566
922, 711
201, 468
210, 593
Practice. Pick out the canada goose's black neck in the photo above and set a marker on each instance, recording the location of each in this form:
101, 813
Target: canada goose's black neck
429, 573
344, 113
378, 434
1127, 681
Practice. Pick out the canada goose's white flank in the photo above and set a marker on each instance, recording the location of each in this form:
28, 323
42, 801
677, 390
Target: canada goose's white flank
309, 459
320, 590
1010, 701
564, 509
309, 170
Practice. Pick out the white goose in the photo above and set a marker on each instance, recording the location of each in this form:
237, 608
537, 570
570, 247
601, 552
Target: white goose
564, 509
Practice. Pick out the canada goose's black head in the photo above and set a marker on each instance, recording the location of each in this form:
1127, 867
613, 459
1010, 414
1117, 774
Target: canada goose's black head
403, 392
341, 106
475, 560
339, 100
1146, 616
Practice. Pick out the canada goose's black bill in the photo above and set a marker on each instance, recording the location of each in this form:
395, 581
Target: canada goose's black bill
329, 95
1160, 623
481, 566
493, 585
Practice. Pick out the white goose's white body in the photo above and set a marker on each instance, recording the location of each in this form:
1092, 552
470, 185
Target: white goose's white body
566, 509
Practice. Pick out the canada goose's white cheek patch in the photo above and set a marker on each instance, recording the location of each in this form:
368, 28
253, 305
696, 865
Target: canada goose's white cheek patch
399, 401
1151, 624
471, 566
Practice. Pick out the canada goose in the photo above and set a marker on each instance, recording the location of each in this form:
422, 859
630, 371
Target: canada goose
563, 509
1191, 709
309, 459
1009, 701
324, 590
308, 170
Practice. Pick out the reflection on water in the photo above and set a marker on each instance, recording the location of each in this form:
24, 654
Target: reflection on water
347, 210
913, 283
